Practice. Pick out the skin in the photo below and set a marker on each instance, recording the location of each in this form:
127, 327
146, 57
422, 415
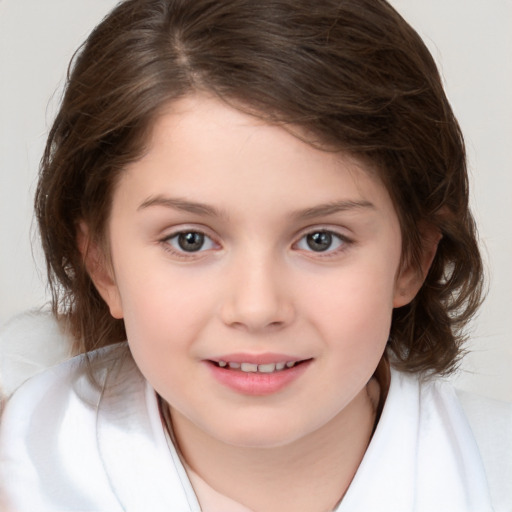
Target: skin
256, 287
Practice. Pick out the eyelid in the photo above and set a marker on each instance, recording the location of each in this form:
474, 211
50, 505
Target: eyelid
174, 230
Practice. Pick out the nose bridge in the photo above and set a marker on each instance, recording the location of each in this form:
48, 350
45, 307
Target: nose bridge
257, 295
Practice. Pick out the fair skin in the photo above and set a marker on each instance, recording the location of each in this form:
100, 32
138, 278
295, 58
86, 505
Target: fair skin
231, 241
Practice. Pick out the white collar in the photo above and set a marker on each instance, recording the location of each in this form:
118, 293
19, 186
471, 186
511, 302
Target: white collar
144, 473
422, 457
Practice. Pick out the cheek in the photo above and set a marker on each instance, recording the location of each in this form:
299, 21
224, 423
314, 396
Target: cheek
355, 298
354, 318
166, 313
161, 315
161, 328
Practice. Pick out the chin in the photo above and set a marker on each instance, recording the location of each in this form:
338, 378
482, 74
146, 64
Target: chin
265, 434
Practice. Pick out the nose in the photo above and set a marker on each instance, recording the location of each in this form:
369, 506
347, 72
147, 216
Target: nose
257, 296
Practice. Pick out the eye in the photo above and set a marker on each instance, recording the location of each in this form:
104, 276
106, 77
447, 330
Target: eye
321, 241
190, 241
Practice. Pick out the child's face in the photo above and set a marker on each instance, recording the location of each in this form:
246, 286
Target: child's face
234, 242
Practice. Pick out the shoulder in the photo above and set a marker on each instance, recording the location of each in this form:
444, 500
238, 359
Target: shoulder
29, 343
491, 423
489, 420
48, 436
471, 424
77, 378
488, 416
87, 435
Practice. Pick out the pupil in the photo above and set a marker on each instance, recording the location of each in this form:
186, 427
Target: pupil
191, 242
320, 241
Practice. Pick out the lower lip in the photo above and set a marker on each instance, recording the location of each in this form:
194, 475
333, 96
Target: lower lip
255, 383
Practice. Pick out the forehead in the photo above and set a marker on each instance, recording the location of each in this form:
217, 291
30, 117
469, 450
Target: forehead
201, 147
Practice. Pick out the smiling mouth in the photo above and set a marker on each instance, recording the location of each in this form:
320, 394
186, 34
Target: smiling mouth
258, 368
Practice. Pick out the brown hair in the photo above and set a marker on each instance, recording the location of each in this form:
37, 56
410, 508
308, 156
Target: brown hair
352, 73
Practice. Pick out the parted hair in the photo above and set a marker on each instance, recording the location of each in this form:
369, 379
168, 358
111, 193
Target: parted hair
352, 74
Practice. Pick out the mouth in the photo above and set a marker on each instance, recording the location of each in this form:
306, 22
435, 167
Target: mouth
258, 375
266, 368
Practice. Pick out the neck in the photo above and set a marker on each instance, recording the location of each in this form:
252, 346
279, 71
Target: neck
281, 479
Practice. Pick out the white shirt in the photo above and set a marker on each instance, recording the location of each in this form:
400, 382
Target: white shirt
87, 436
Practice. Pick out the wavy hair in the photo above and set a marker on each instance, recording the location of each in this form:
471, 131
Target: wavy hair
352, 74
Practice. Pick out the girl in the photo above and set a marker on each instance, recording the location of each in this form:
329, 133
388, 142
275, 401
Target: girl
268, 200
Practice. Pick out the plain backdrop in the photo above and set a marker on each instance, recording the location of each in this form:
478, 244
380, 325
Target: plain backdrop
472, 43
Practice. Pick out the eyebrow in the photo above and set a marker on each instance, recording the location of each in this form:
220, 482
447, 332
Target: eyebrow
321, 210
183, 205
332, 208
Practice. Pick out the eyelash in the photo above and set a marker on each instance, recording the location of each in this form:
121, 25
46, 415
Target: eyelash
343, 242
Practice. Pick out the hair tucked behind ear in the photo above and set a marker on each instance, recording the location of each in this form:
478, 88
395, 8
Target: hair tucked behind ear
352, 74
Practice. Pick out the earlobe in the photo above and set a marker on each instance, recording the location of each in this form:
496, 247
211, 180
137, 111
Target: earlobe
407, 286
411, 277
99, 270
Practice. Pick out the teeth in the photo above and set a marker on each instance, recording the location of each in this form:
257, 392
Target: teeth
267, 368
257, 368
249, 367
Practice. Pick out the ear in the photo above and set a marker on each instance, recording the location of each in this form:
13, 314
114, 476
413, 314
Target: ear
99, 269
411, 278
